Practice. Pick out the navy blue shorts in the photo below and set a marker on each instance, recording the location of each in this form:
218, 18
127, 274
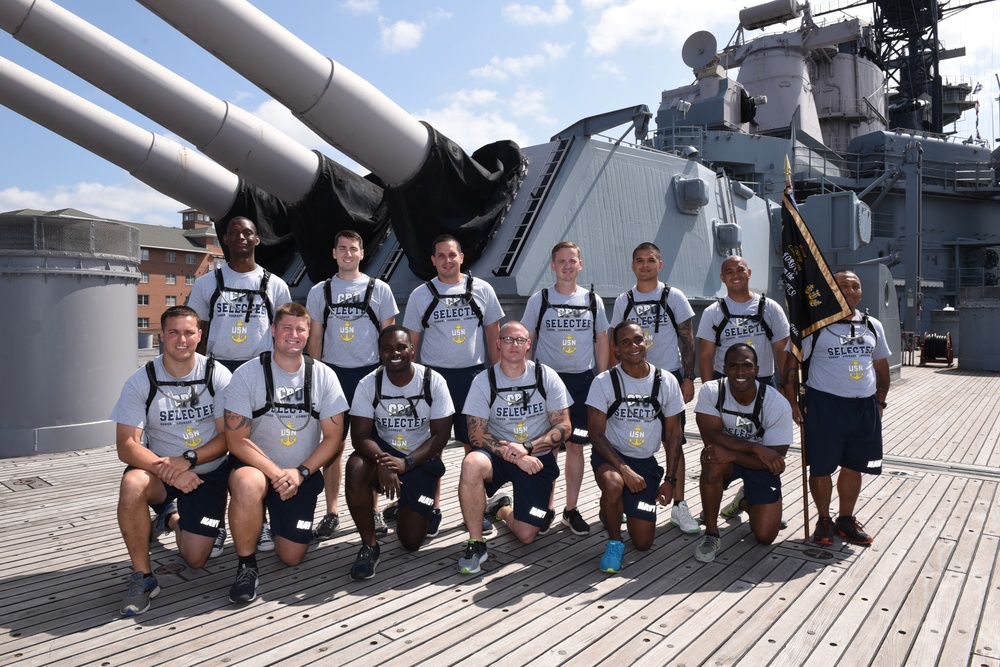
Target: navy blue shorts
349, 379
640, 505
202, 510
760, 487
578, 386
459, 382
417, 486
292, 519
531, 492
844, 432
233, 364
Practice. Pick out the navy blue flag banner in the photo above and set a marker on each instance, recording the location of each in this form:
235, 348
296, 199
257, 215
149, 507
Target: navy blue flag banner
812, 296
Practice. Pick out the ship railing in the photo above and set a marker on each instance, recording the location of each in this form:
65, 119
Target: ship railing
975, 276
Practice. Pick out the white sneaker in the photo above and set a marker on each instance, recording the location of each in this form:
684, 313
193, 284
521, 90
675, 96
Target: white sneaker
681, 517
265, 542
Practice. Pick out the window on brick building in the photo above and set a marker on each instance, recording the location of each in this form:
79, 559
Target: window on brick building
170, 278
170, 257
143, 299
143, 322
171, 301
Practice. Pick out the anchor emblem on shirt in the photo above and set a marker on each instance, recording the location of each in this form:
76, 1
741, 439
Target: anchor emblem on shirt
288, 435
239, 332
458, 334
399, 442
636, 437
569, 344
191, 437
347, 332
648, 335
520, 432
855, 370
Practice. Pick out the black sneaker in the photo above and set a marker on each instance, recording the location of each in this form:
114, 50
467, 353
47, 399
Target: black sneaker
245, 588
434, 523
390, 512
849, 528
494, 505
575, 522
328, 525
823, 535
475, 555
547, 523
365, 563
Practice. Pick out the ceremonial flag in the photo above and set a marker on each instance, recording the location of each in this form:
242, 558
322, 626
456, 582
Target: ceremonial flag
812, 296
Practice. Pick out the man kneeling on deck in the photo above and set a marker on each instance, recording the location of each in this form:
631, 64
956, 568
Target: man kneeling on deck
175, 402
284, 421
400, 422
632, 408
518, 415
746, 427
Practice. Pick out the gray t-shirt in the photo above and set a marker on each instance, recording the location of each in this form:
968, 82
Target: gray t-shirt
742, 329
179, 418
288, 436
519, 413
662, 347
842, 366
775, 415
233, 334
453, 338
566, 337
634, 428
351, 338
402, 416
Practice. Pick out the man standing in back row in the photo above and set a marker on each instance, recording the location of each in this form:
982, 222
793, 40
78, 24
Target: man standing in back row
666, 319
841, 415
569, 333
236, 302
742, 316
348, 311
454, 323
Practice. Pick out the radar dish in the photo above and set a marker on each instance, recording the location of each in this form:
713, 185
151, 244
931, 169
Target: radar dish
699, 49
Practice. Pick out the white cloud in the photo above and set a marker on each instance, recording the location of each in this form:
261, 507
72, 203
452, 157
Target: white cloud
652, 22
465, 121
360, 6
128, 202
400, 36
609, 69
534, 15
500, 69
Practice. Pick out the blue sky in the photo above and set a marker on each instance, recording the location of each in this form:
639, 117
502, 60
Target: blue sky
478, 71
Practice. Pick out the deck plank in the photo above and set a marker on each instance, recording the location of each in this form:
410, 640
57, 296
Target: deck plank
928, 589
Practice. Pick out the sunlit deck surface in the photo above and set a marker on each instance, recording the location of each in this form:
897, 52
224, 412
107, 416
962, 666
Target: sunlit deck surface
927, 592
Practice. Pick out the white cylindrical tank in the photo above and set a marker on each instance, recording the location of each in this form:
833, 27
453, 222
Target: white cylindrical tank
68, 286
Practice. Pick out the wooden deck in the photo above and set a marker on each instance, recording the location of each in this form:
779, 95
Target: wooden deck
927, 592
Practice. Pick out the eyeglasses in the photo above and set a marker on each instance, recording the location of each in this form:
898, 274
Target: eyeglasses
510, 340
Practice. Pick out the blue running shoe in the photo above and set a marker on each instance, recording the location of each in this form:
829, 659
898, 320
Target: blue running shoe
611, 561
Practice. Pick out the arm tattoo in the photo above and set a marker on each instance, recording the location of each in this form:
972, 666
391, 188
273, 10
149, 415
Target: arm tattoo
555, 436
685, 338
235, 422
478, 426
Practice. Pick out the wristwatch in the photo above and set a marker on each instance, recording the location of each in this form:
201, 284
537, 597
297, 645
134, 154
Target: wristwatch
690, 376
410, 463
528, 447
668, 478
191, 457
304, 471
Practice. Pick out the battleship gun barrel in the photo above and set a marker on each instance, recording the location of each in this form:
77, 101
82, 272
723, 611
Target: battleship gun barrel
161, 163
339, 105
231, 136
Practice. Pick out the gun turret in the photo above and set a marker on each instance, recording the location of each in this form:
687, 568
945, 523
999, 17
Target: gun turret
299, 194
433, 186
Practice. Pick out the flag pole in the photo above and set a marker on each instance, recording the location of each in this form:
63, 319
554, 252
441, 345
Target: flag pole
798, 399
